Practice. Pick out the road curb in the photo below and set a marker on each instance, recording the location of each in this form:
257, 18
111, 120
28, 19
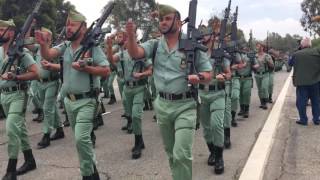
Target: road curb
255, 165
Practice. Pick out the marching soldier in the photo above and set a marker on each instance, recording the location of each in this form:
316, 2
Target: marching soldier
136, 76
175, 106
48, 90
81, 98
246, 82
212, 108
14, 100
262, 74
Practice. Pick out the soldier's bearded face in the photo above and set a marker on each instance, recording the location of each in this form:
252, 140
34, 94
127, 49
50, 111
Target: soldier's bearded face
72, 28
166, 22
4, 37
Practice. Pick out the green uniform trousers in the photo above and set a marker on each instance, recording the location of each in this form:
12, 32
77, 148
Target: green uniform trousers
271, 78
212, 110
177, 122
235, 94
109, 84
121, 83
14, 107
227, 113
262, 81
80, 114
245, 90
134, 103
34, 94
48, 94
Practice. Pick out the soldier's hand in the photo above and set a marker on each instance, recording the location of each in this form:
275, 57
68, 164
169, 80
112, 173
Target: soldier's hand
193, 79
41, 37
77, 66
234, 67
220, 77
137, 75
109, 42
8, 76
131, 28
45, 64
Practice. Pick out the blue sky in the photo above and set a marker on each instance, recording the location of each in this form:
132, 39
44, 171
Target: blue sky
281, 16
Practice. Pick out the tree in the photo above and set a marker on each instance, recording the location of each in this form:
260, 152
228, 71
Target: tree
138, 10
52, 13
310, 8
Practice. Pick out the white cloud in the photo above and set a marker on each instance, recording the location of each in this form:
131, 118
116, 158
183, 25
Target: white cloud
282, 27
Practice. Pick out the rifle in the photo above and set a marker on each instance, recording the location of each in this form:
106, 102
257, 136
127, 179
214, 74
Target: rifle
252, 53
219, 53
16, 46
233, 49
192, 44
91, 37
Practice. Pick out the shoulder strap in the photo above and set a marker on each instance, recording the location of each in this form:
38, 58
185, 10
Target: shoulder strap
154, 51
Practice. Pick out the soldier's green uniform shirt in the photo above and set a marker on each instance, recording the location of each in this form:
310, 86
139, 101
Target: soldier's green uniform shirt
13, 106
176, 118
75, 81
81, 112
262, 76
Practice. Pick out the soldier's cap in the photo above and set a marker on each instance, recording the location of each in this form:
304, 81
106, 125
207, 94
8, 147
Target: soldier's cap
262, 43
205, 30
316, 18
166, 9
8, 23
46, 30
29, 41
76, 16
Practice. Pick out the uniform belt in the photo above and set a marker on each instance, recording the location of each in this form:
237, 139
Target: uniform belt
211, 87
261, 72
135, 83
75, 97
245, 76
173, 97
44, 80
15, 88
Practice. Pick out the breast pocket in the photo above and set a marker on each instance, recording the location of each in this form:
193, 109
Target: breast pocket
180, 61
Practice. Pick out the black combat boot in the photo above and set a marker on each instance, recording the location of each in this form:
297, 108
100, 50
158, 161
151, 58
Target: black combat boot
125, 127
129, 125
150, 104
40, 117
93, 138
58, 135
112, 99
87, 178
211, 157
241, 110
100, 120
233, 121
11, 173
45, 141
264, 103
2, 114
36, 111
29, 163
270, 99
227, 141
66, 122
246, 111
95, 175
219, 164
138, 146
146, 105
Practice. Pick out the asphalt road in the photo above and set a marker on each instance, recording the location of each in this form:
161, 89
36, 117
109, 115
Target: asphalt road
113, 150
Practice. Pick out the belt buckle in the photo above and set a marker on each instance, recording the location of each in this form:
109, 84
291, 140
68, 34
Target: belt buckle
206, 87
131, 83
72, 97
41, 80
